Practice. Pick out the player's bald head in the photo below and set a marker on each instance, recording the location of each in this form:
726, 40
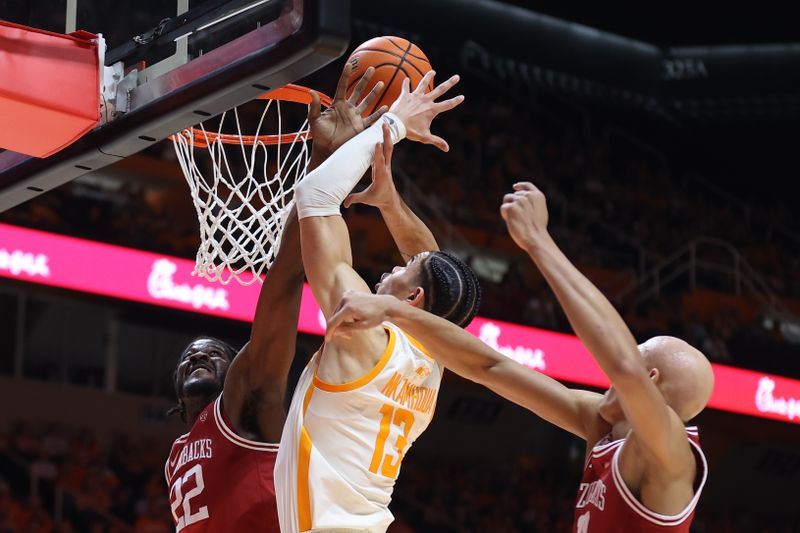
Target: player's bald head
685, 375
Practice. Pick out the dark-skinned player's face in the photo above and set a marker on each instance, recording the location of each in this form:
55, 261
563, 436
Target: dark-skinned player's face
202, 368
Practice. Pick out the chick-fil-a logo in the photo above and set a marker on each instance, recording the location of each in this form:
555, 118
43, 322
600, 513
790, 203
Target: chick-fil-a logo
532, 358
20, 262
767, 402
96, 268
161, 286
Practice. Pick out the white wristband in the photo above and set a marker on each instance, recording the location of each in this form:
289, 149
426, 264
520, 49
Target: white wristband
324, 189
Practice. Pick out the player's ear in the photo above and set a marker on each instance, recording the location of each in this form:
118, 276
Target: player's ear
416, 298
654, 375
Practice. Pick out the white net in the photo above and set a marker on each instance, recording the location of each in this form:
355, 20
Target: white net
241, 186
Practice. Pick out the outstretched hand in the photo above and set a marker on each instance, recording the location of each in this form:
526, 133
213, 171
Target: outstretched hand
358, 310
342, 120
381, 192
525, 213
417, 109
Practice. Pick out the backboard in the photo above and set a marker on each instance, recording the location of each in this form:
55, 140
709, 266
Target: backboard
184, 60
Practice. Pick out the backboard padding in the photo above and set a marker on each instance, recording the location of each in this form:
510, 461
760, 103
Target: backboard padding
308, 35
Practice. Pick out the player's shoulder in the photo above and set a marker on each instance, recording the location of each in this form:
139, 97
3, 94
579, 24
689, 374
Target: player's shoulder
685, 458
693, 434
180, 441
221, 428
402, 339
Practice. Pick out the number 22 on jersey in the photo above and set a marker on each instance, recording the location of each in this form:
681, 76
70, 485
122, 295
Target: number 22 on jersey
179, 499
389, 464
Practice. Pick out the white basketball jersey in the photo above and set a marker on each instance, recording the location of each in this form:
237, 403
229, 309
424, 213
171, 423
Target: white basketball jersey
342, 445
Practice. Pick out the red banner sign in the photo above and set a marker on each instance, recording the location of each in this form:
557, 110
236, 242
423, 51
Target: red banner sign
87, 266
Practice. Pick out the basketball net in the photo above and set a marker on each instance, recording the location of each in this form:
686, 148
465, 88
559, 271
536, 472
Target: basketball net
241, 185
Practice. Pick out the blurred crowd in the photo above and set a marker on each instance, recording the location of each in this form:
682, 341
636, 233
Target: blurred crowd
57, 480
524, 495
113, 488
616, 208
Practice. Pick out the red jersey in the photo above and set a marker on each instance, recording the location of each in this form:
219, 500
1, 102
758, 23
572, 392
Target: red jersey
605, 504
219, 481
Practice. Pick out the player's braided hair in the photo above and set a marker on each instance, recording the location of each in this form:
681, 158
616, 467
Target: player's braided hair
229, 350
452, 290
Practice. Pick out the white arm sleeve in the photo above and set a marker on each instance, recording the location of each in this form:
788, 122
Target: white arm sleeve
324, 189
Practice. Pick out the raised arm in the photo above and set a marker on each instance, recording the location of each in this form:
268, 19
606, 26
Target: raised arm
325, 242
410, 234
655, 425
469, 357
255, 384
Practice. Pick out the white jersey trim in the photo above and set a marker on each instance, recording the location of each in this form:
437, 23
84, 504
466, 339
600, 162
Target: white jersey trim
180, 440
229, 434
651, 516
599, 451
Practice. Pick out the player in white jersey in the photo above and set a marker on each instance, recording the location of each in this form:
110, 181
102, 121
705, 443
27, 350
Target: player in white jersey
644, 468
364, 399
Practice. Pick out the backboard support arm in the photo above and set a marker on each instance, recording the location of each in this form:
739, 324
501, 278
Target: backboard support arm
307, 36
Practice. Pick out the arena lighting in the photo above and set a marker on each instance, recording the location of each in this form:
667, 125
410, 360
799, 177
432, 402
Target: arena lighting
128, 274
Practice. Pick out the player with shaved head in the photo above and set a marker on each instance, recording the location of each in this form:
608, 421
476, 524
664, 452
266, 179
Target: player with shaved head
644, 469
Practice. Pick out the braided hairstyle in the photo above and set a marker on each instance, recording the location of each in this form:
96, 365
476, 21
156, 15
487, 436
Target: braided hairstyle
229, 350
452, 290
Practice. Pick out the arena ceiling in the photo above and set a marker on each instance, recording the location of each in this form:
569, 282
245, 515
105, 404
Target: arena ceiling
679, 24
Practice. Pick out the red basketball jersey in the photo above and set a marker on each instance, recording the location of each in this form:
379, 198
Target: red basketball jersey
219, 481
605, 504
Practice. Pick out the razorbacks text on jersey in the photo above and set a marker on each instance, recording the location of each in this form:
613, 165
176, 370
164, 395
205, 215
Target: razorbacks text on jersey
605, 504
342, 445
219, 481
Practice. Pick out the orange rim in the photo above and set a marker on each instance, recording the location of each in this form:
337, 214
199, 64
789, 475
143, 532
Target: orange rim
288, 93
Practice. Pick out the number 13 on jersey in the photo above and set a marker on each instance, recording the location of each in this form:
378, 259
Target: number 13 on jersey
389, 464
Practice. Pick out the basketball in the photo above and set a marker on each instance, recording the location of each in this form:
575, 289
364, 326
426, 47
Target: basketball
394, 59
187, 233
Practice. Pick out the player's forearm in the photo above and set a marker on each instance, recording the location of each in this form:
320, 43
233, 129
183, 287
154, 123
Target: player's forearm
324, 189
452, 346
410, 234
318, 156
591, 315
472, 359
279, 299
288, 263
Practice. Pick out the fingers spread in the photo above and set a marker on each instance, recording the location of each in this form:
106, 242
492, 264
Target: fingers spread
447, 105
424, 82
344, 79
444, 87
438, 142
405, 87
366, 102
315, 109
362, 83
370, 120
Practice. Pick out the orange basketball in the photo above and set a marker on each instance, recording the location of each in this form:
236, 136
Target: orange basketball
394, 59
